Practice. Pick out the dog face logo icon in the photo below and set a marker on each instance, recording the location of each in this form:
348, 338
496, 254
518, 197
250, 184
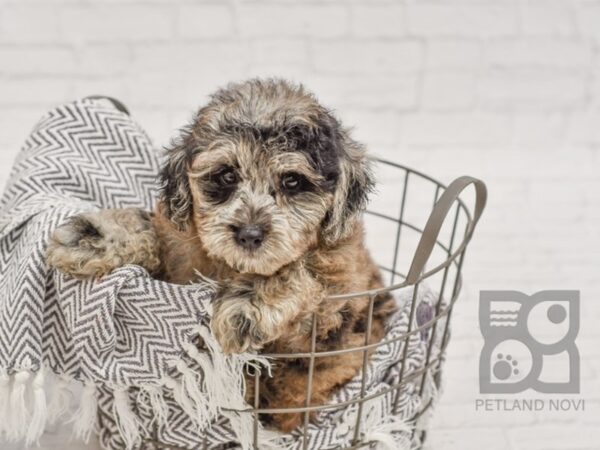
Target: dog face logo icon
529, 342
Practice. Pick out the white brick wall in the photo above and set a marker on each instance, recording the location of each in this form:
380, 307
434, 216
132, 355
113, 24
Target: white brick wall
506, 90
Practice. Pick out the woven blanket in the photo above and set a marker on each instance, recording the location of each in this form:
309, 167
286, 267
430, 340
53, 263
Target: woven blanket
141, 348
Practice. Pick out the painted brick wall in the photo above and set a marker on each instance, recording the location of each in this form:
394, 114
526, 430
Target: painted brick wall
505, 90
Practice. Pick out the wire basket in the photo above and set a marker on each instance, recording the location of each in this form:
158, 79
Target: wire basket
432, 253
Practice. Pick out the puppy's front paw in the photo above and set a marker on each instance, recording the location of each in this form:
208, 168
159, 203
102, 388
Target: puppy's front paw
236, 326
77, 248
94, 244
79, 231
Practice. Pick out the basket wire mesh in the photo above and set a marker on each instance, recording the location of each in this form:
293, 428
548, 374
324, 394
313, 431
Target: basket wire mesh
437, 238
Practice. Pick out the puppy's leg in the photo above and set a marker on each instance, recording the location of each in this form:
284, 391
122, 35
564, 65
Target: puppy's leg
253, 311
288, 388
94, 244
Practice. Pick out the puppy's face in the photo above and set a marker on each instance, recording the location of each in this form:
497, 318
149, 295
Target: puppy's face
258, 203
264, 174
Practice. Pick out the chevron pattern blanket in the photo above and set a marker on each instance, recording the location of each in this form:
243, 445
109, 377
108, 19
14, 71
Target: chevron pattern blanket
132, 343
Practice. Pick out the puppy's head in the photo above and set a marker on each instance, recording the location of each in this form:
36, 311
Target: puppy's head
264, 173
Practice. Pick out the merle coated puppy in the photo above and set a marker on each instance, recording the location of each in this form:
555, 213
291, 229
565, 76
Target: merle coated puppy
263, 192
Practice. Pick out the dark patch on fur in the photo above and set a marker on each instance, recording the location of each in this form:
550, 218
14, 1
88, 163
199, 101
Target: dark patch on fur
322, 146
360, 326
85, 229
303, 186
357, 195
328, 149
175, 190
297, 364
215, 191
384, 304
334, 336
359, 185
321, 143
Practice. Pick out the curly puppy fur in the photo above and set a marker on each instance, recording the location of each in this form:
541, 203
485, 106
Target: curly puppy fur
263, 192
94, 244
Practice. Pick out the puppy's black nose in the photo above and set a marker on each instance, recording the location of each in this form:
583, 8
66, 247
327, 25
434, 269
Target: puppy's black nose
250, 236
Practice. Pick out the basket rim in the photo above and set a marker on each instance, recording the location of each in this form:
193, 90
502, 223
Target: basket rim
449, 260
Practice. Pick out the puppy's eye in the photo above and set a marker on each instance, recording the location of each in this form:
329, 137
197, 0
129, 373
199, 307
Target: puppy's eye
227, 177
292, 182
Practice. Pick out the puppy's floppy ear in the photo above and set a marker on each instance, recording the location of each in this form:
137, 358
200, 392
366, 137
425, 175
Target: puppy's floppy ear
175, 192
354, 184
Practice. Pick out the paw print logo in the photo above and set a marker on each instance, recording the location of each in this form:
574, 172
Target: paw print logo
523, 332
505, 367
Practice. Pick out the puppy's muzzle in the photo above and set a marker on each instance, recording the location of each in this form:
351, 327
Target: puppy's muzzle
250, 236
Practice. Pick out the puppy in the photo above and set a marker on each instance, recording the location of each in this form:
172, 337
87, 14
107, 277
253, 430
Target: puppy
263, 193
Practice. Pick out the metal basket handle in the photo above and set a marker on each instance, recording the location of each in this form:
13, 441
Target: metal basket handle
436, 220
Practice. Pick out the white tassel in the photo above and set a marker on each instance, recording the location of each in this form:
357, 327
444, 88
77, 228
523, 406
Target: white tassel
180, 398
157, 404
211, 383
275, 440
4, 401
18, 408
126, 420
221, 387
230, 367
191, 387
59, 401
383, 434
39, 413
224, 380
242, 425
390, 432
84, 418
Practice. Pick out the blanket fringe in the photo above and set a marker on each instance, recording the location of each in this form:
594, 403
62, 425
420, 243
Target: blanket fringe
387, 434
127, 422
24, 409
180, 398
157, 403
388, 431
190, 383
211, 383
40, 410
18, 408
226, 382
59, 399
241, 424
272, 440
84, 418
